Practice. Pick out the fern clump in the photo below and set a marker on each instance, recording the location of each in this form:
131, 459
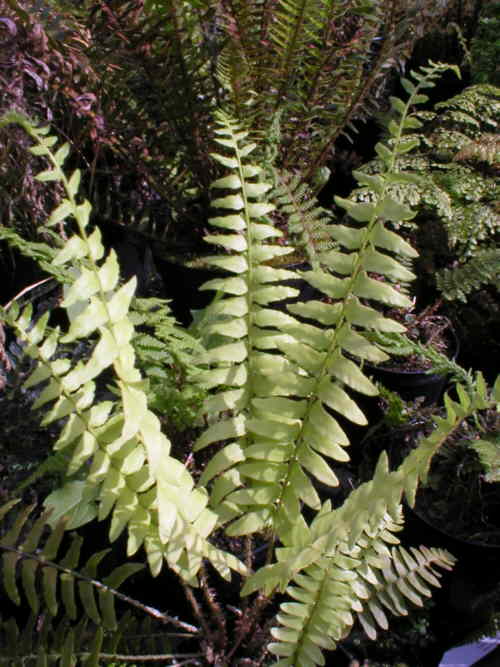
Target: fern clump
279, 382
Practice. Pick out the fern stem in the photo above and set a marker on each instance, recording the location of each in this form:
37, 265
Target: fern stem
198, 612
215, 608
248, 621
150, 611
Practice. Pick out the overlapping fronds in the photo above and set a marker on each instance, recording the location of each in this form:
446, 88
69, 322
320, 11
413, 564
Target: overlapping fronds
120, 460
167, 354
281, 381
277, 376
456, 192
346, 565
406, 576
282, 377
59, 641
481, 269
319, 64
35, 570
348, 568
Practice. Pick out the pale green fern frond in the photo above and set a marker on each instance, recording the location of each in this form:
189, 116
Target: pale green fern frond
119, 454
241, 340
347, 565
351, 570
282, 381
476, 397
406, 576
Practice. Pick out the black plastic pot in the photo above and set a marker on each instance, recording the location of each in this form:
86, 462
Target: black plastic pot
411, 384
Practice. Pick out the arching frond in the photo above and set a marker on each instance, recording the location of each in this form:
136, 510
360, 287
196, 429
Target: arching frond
120, 460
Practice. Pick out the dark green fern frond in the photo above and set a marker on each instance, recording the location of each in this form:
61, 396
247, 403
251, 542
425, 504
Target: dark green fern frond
169, 357
33, 568
41, 252
61, 642
49, 641
473, 111
482, 268
398, 344
319, 64
231, 71
307, 223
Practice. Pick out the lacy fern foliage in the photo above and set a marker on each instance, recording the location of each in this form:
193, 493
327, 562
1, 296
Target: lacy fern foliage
456, 190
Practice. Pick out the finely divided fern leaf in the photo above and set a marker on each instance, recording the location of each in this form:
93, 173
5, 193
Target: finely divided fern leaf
306, 222
481, 269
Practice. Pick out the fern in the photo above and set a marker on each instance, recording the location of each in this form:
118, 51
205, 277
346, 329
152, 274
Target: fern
42, 253
279, 380
318, 66
282, 425
132, 475
44, 571
488, 451
167, 354
484, 149
481, 269
402, 345
455, 191
307, 223
344, 564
